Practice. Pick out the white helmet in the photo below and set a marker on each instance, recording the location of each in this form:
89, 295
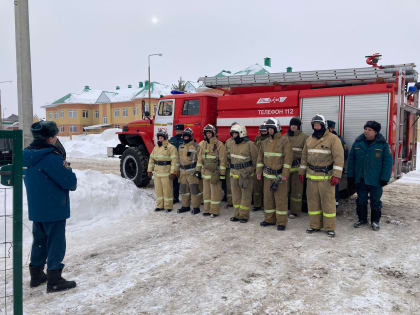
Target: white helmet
273, 123
318, 118
241, 130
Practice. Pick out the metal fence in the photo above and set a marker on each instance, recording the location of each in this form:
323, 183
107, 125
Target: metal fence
11, 220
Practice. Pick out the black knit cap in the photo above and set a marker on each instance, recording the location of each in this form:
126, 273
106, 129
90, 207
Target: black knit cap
374, 125
44, 129
295, 121
331, 123
179, 127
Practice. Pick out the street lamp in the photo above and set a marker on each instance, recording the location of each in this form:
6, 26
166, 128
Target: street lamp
2, 116
148, 59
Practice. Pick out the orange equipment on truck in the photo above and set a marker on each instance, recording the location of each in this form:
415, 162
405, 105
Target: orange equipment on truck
387, 94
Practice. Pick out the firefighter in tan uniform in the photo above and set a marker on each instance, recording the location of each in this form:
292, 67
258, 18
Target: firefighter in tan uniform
322, 161
211, 167
297, 139
274, 162
163, 163
229, 142
257, 194
243, 157
189, 188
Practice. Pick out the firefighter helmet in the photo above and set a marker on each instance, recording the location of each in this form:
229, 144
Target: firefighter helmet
188, 132
273, 123
318, 118
263, 127
209, 128
162, 133
241, 130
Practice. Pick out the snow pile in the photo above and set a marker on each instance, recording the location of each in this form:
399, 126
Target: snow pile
90, 146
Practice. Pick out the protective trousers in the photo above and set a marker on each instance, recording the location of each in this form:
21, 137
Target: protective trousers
189, 190
164, 192
296, 192
258, 193
228, 188
241, 198
49, 244
364, 192
212, 193
321, 204
275, 203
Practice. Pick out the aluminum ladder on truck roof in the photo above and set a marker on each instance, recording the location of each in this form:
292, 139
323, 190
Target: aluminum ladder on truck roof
328, 77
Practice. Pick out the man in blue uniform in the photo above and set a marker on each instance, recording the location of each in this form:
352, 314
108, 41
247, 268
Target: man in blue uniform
176, 141
48, 180
369, 169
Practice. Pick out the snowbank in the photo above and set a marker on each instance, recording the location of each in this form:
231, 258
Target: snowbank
91, 146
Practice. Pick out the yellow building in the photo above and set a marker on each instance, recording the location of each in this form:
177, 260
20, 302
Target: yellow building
95, 110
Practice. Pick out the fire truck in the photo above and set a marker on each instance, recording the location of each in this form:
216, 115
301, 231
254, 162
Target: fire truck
350, 97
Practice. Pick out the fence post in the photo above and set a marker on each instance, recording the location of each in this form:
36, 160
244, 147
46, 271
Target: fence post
17, 222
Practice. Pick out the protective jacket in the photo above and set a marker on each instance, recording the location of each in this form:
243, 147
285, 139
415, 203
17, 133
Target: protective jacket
372, 162
275, 157
259, 139
322, 158
212, 158
297, 141
188, 155
48, 183
163, 160
243, 157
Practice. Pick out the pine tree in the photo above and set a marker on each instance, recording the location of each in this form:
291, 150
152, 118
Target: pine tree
180, 86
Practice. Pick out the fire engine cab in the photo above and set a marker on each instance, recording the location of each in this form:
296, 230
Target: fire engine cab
350, 97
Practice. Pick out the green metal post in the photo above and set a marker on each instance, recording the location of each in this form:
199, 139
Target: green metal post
17, 222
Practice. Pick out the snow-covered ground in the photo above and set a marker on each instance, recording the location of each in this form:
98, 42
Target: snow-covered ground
127, 259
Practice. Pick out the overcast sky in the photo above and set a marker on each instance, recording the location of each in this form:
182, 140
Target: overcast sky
105, 43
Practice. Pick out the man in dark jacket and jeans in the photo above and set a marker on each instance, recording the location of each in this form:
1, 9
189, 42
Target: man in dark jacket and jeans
48, 180
369, 169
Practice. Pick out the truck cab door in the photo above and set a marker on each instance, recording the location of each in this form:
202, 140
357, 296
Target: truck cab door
164, 118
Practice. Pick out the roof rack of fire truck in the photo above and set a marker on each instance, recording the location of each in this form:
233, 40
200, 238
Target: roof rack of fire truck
329, 77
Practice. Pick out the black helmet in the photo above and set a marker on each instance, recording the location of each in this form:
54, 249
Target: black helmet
44, 129
210, 128
188, 132
162, 133
263, 127
272, 123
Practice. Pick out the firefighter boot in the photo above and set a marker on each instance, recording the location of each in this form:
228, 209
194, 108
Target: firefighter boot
56, 283
38, 276
184, 209
311, 230
265, 223
234, 219
195, 210
281, 228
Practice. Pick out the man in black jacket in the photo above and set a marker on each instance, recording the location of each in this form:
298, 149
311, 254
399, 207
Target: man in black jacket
176, 141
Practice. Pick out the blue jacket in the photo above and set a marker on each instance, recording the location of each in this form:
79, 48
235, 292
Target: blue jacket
176, 140
47, 183
371, 162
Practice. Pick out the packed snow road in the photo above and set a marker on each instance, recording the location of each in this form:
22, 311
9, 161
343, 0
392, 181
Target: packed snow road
128, 259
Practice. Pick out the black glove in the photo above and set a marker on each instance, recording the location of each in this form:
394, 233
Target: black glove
384, 183
275, 184
197, 174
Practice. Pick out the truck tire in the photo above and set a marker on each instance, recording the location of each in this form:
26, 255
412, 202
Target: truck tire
133, 166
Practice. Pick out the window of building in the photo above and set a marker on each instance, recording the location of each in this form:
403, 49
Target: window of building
72, 113
96, 113
85, 113
62, 128
125, 112
135, 111
62, 113
117, 126
165, 108
50, 115
105, 120
191, 107
116, 112
72, 128
55, 115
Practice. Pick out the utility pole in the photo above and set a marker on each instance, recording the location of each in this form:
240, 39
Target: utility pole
23, 64
148, 68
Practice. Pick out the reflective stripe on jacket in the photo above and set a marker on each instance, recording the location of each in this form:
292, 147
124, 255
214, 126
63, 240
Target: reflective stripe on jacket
212, 153
166, 152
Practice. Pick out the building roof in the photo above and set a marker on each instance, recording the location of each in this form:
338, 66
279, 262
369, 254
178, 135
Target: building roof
156, 90
253, 69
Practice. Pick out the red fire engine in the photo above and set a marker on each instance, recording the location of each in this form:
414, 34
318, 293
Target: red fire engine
387, 94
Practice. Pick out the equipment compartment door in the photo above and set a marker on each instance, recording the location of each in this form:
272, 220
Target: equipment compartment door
360, 108
328, 106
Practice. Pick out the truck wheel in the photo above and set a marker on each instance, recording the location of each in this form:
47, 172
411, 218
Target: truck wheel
133, 166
